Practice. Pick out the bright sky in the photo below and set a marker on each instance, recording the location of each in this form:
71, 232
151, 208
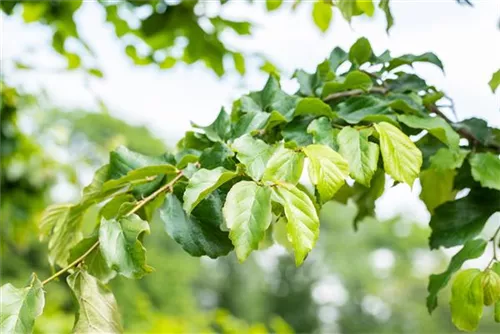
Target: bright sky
466, 39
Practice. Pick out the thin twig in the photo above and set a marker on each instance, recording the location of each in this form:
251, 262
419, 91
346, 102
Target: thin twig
139, 205
354, 92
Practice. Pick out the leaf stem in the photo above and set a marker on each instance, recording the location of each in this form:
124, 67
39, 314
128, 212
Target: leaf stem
493, 239
139, 205
354, 92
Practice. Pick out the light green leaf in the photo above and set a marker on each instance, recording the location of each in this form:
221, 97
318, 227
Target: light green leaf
485, 168
247, 213
366, 6
284, 165
353, 80
467, 300
20, 307
219, 129
491, 287
273, 4
472, 249
312, 106
303, 221
495, 81
437, 187
323, 133
436, 126
139, 175
361, 154
360, 52
239, 63
202, 183
402, 159
448, 158
384, 5
280, 234
120, 245
327, 170
196, 236
496, 268
94, 189
254, 154
97, 307
322, 15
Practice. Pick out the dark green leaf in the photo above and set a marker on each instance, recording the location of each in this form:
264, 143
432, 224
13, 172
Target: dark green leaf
360, 52
337, 58
384, 5
456, 222
437, 126
322, 132
219, 129
353, 80
365, 108
195, 237
409, 59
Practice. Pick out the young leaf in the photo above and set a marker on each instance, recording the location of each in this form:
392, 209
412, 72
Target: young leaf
196, 237
491, 287
496, 268
327, 170
120, 246
361, 154
467, 300
247, 212
202, 183
254, 154
472, 249
446, 158
485, 168
219, 129
303, 221
436, 126
144, 174
455, 222
437, 187
402, 159
284, 165
360, 52
495, 81
322, 15
20, 307
97, 308
273, 4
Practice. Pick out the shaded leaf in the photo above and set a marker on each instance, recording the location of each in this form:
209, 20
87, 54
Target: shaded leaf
322, 132
437, 187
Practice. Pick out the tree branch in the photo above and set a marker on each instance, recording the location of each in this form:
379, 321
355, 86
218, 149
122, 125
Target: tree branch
355, 92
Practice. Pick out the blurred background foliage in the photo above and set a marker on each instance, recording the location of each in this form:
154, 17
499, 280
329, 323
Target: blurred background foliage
369, 281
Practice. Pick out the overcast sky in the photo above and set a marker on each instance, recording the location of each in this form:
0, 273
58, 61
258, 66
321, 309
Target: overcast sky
466, 39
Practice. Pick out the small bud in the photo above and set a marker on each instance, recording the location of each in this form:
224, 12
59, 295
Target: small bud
491, 287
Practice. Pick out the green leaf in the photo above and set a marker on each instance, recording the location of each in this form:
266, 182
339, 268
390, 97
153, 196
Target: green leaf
202, 183
95, 264
448, 158
322, 15
361, 154
384, 5
456, 222
273, 4
295, 133
472, 249
280, 234
406, 82
402, 159
254, 154
496, 268
247, 213
97, 307
218, 155
478, 127
250, 122
94, 189
303, 221
139, 175
437, 187
34, 11
337, 57
120, 245
196, 237
219, 129
322, 132
409, 59
353, 80
467, 300
123, 160
485, 168
360, 52
491, 287
365, 108
312, 106
436, 126
239, 62
20, 307
284, 165
327, 170
366, 6
495, 81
